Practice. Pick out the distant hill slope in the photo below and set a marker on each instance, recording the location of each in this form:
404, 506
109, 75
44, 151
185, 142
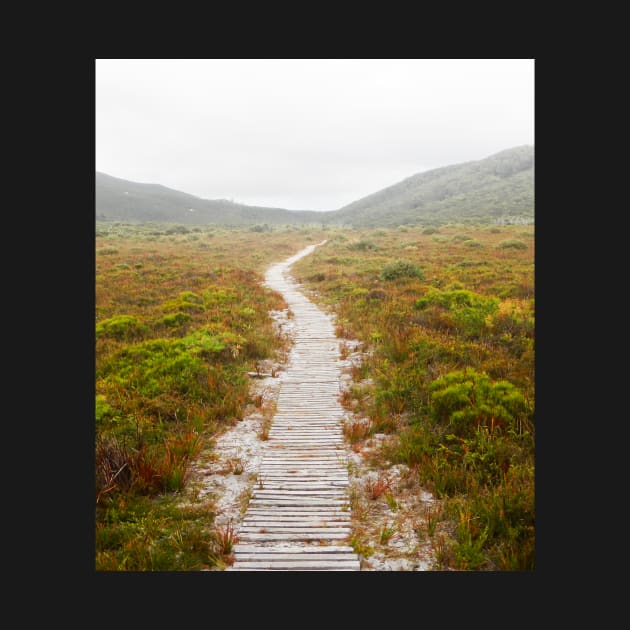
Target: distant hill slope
501, 185
122, 200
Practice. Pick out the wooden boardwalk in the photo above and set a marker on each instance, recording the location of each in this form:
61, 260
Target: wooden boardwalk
298, 518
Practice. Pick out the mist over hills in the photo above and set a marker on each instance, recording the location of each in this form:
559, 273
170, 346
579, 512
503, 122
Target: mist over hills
497, 188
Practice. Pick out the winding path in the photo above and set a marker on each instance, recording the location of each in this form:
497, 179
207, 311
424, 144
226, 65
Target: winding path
298, 517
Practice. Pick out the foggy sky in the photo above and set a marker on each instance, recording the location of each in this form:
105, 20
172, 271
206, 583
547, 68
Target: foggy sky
304, 134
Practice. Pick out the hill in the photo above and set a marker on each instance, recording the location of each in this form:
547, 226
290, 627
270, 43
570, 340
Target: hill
122, 200
498, 187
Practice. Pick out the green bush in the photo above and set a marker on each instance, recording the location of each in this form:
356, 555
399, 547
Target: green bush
189, 296
121, 327
171, 365
187, 301
247, 312
362, 245
512, 243
104, 412
176, 319
400, 269
469, 311
430, 230
465, 399
177, 229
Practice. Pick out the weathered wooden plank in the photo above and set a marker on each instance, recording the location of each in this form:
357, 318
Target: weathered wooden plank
290, 494
288, 557
304, 565
283, 569
338, 477
292, 526
310, 472
259, 509
309, 486
288, 537
297, 475
296, 464
278, 487
317, 433
290, 439
312, 522
293, 469
293, 516
294, 501
289, 529
304, 457
328, 465
305, 549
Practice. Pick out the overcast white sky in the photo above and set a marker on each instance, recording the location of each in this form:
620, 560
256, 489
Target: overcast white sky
304, 134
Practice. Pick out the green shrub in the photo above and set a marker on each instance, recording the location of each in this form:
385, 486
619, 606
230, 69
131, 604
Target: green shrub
177, 229
465, 399
104, 412
214, 296
469, 311
121, 327
400, 269
512, 320
430, 230
413, 447
512, 243
176, 319
495, 527
187, 301
362, 245
247, 312
107, 251
171, 365
189, 296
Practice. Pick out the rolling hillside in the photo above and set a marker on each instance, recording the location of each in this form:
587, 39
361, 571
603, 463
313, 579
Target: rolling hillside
501, 185
121, 200
497, 188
